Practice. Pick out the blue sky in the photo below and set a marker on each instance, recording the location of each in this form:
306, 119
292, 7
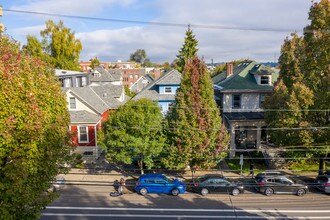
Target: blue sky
220, 36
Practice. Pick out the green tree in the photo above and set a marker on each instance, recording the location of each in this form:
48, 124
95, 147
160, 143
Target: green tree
305, 76
134, 133
59, 46
197, 136
34, 137
138, 56
94, 62
188, 50
33, 47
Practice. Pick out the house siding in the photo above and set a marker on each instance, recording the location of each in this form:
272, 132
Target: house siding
162, 89
91, 136
249, 102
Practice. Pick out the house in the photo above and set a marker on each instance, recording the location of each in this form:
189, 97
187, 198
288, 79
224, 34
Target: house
141, 83
240, 92
85, 66
100, 76
89, 107
70, 78
162, 90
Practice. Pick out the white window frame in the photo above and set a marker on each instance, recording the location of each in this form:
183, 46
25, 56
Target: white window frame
79, 134
72, 103
168, 87
264, 78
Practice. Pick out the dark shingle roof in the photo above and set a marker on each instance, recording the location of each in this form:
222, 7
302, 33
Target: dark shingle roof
104, 75
152, 90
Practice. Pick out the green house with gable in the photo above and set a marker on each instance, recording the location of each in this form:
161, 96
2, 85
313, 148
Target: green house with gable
240, 92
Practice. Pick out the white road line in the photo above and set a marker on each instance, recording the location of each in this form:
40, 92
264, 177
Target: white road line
188, 210
179, 216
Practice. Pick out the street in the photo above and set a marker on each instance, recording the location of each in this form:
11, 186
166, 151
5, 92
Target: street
93, 202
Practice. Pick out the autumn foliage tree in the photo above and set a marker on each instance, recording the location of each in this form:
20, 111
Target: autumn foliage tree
58, 45
196, 133
301, 97
34, 138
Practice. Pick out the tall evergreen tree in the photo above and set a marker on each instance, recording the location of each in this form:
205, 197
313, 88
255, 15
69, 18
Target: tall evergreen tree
188, 50
197, 135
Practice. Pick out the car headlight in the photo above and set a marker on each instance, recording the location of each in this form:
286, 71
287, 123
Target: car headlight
180, 187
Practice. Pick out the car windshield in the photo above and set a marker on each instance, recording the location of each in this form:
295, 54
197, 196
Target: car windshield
168, 179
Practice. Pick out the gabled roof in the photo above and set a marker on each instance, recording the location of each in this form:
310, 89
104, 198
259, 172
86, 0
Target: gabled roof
84, 117
152, 90
99, 98
171, 78
243, 78
104, 75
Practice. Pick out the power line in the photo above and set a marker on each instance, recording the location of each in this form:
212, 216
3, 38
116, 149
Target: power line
202, 26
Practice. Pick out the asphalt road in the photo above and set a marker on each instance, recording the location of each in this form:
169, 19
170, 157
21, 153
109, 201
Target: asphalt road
93, 202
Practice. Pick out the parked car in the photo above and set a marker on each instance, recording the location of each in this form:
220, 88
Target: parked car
159, 183
57, 184
322, 182
215, 183
280, 184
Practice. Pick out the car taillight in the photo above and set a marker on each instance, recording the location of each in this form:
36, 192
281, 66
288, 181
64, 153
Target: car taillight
261, 183
327, 184
196, 184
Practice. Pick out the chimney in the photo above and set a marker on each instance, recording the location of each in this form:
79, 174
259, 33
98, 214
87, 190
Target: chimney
230, 69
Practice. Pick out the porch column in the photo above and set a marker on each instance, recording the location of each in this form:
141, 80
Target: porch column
232, 141
258, 137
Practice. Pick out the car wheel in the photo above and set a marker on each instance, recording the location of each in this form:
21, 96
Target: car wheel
143, 191
269, 191
204, 192
301, 192
175, 192
235, 192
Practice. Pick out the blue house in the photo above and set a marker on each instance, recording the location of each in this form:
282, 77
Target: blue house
162, 90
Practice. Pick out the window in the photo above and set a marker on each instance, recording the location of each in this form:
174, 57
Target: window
236, 101
168, 90
136, 76
261, 101
83, 81
131, 76
78, 82
264, 80
72, 103
67, 82
83, 134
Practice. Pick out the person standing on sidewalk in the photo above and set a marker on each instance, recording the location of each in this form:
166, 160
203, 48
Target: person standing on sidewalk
121, 186
251, 170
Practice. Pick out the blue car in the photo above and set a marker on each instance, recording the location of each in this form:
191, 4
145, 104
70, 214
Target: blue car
159, 183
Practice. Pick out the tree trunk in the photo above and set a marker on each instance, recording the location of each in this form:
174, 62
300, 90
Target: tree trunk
140, 162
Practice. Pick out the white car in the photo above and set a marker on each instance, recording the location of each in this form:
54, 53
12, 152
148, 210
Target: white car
57, 184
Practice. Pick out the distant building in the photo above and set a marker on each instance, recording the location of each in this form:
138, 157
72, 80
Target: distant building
70, 78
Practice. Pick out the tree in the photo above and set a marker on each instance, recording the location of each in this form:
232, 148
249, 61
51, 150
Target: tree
197, 136
188, 50
134, 133
59, 45
34, 46
34, 137
94, 62
305, 75
138, 56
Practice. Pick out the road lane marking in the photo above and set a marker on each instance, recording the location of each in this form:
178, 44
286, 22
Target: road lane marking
187, 210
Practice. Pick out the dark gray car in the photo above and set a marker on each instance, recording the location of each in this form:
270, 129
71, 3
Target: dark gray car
280, 184
322, 182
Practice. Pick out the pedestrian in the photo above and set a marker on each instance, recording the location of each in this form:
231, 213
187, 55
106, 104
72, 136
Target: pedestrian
251, 170
121, 186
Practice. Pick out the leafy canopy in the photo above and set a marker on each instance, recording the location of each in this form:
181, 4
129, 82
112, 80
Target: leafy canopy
134, 133
34, 138
59, 46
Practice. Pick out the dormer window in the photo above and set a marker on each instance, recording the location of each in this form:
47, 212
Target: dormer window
264, 80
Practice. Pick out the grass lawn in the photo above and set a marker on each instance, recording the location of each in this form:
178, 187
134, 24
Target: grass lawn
234, 165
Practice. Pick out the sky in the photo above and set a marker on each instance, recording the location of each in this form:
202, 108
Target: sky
111, 30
